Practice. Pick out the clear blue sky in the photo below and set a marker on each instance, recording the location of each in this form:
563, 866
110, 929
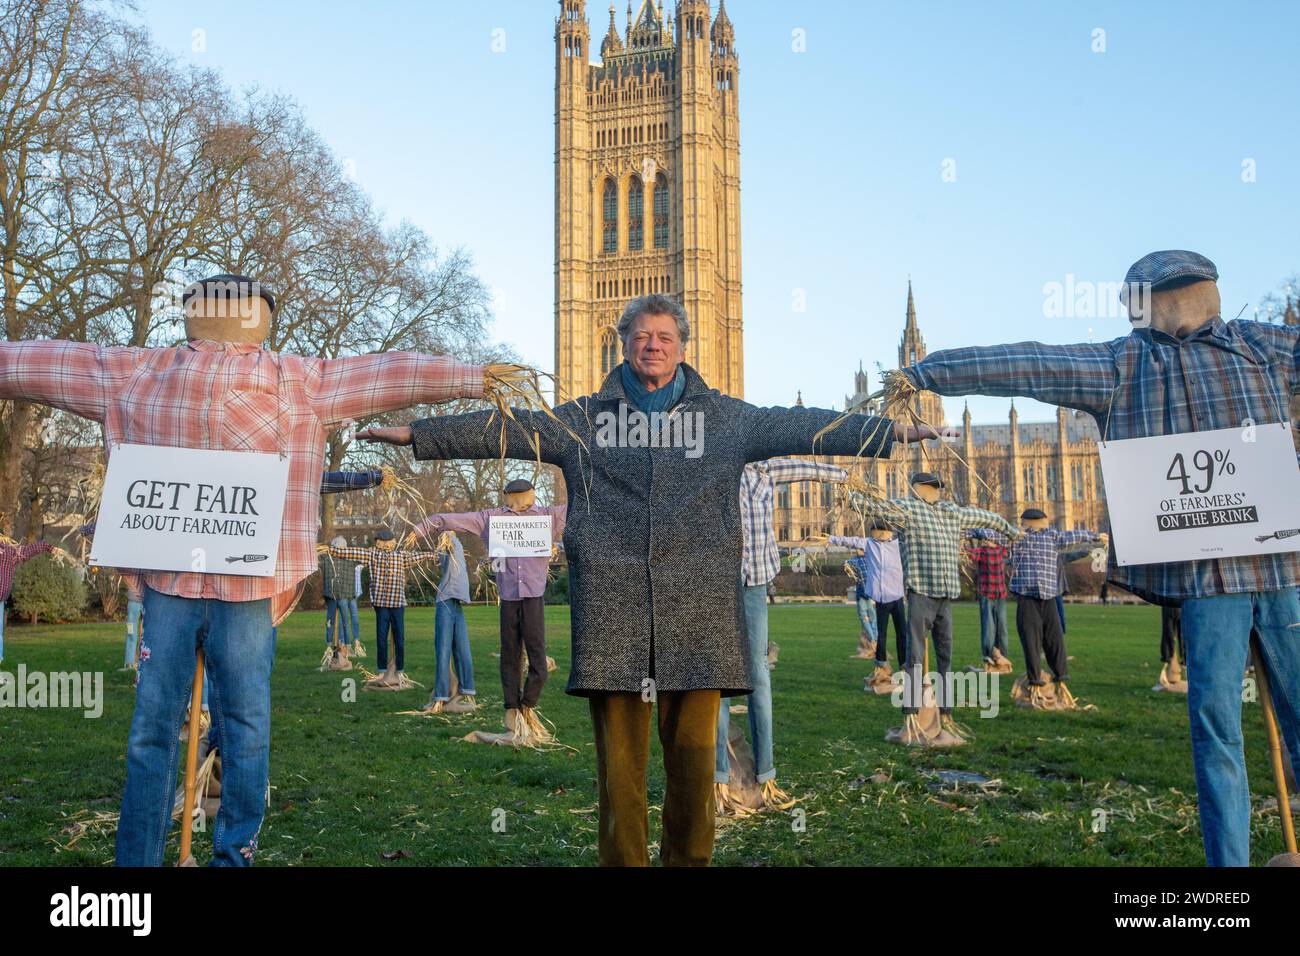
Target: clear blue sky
1067, 161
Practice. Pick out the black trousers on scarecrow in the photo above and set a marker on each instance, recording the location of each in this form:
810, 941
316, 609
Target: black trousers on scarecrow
1039, 625
523, 627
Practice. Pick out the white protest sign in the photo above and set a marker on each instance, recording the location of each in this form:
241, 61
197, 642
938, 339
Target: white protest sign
519, 536
1200, 495
186, 509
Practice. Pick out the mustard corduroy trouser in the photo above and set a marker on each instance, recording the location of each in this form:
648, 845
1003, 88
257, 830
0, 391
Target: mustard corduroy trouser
688, 722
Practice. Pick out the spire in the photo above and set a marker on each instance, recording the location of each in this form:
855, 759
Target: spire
911, 307
612, 44
798, 400
722, 29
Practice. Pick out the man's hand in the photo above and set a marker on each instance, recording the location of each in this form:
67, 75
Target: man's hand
912, 433
400, 435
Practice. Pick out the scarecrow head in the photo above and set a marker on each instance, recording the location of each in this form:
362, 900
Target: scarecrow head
880, 531
926, 486
228, 308
520, 495
385, 540
1174, 290
1032, 519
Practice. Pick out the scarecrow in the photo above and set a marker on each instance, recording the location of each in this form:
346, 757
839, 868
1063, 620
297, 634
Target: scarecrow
1036, 583
453, 692
223, 391
880, 577
931, 532
341, 580
13, 554
989, 555
760, 562
1180, 369
856, 569
387, 567
521, 584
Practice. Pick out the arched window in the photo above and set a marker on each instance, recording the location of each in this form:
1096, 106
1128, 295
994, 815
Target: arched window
661, 211
610, 205
635, 214
608, 351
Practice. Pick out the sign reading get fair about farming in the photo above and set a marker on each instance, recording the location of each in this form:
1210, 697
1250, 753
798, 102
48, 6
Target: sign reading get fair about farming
185, 509
1199, 495
519, 536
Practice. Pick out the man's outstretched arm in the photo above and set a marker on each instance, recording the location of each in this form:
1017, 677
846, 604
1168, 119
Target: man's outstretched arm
776, 432
527, 435
1082, 376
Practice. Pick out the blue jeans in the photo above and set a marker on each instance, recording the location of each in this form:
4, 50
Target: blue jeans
340, 605
867, 615
760, 701
993, 626
451, 636
351, 604
1060, 610
390, 619
239, 648
1217, 633
133, 611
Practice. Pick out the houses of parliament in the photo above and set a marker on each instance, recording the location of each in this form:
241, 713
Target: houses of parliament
647, 199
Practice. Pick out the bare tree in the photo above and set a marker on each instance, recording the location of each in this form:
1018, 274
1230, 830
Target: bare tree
50, 61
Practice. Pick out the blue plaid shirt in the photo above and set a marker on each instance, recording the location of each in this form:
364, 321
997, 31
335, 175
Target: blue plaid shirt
758, 483
1036, 559
1145, 384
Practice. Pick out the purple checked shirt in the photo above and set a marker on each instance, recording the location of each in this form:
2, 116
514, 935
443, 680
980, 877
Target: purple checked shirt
522, 577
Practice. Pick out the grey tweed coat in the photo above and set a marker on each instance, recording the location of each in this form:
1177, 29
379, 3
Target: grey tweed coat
653, 537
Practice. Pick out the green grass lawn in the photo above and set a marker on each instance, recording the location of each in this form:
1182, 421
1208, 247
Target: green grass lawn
353, 780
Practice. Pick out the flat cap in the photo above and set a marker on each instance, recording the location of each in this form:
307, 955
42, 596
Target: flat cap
926, 478
518, 486
384, 535
229, 286
1157, 269
1031, 514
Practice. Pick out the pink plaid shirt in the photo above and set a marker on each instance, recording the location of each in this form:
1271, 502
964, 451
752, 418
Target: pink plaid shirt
220, 395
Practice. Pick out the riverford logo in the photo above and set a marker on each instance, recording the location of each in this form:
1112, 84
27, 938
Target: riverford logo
77, 909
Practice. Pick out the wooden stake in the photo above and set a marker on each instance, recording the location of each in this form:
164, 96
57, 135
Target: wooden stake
191, 761
1274, 748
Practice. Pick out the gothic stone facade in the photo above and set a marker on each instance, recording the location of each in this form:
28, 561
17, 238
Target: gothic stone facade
647, 186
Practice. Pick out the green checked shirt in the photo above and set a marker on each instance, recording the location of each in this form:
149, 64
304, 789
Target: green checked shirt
930, 537
387, 571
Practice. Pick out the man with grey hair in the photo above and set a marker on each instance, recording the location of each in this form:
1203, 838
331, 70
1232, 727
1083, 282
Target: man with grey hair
654, 544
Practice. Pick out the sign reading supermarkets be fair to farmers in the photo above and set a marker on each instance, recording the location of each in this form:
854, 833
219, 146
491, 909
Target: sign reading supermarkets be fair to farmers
1199, 495
519, 536
185, 509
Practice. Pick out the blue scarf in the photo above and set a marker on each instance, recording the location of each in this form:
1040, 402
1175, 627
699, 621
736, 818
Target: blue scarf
660, 400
